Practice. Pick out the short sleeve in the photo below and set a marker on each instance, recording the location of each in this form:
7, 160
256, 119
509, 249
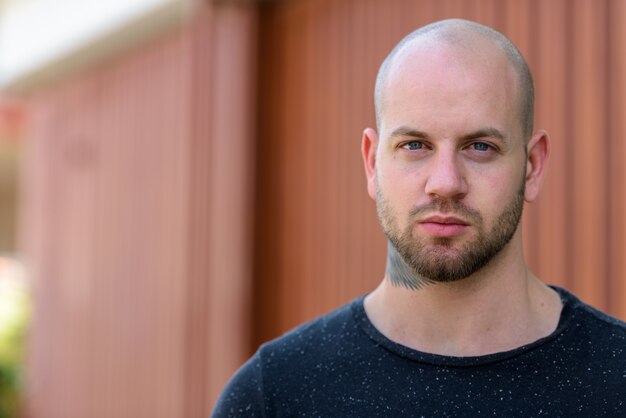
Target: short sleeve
243, 395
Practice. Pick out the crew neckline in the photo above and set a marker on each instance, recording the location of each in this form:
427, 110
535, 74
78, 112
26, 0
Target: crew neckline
360, 316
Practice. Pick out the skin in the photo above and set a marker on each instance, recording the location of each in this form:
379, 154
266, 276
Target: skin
450, 132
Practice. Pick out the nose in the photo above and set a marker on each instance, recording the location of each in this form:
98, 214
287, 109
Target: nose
446, 178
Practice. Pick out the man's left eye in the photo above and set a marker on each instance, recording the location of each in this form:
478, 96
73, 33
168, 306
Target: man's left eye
414, 145
481, 146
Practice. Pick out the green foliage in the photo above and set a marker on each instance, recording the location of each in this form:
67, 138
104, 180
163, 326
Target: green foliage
14, 314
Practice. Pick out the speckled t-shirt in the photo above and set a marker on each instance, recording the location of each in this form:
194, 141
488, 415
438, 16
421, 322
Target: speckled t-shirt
339, 365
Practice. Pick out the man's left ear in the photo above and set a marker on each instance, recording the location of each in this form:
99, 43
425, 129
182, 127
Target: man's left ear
538, 151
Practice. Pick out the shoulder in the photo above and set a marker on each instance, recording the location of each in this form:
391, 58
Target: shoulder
243, 395
313, 339
606, 338
285, 367
338, 321
594, 321
594, 342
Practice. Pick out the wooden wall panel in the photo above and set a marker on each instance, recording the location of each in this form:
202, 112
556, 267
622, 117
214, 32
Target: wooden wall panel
137, 225
588, 177
318, 78
230, 198
616, 132
114, 182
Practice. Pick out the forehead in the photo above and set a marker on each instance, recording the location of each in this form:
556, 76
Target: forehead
435, 83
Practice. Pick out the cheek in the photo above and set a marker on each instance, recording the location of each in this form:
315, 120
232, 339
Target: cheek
494, 192
401, 187
398, 199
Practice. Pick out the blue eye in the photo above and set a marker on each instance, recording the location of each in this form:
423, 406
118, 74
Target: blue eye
414, 145
480, 146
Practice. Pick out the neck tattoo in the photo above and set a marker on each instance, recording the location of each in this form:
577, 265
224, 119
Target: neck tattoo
400, 273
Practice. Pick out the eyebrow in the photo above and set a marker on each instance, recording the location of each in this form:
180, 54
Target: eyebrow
486, 133
406, 131
489, 132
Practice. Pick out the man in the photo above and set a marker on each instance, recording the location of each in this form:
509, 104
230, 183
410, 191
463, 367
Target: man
459, 326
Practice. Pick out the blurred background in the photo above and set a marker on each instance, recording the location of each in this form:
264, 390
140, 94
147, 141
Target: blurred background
180, 181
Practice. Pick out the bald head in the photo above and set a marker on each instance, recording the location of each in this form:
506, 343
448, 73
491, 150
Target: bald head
472, 38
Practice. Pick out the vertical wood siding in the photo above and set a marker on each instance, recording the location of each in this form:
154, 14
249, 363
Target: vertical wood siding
136, 215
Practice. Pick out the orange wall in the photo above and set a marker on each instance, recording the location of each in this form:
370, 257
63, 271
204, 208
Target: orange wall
136, 214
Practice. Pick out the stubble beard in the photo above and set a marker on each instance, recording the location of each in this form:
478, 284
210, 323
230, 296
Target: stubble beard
440, 259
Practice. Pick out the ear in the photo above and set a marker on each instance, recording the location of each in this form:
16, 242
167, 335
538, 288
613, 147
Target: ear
538, 151
369, 144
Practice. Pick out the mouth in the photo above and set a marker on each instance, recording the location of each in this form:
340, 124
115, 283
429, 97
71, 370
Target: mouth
444, 226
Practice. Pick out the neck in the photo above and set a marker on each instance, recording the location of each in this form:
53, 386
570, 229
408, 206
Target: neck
399, 273
501, 307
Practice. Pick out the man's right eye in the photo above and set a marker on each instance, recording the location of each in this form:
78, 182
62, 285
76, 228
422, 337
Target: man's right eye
414, 145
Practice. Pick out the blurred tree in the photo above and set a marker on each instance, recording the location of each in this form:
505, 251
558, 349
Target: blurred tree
14, 314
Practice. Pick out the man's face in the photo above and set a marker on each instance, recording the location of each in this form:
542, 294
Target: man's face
450, 162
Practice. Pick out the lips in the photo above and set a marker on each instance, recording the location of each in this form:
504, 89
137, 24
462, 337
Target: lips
444, 226
445, 220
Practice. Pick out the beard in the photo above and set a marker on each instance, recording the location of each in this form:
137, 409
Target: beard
438, 259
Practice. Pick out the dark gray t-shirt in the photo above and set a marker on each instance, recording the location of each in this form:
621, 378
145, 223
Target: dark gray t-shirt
340, 365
